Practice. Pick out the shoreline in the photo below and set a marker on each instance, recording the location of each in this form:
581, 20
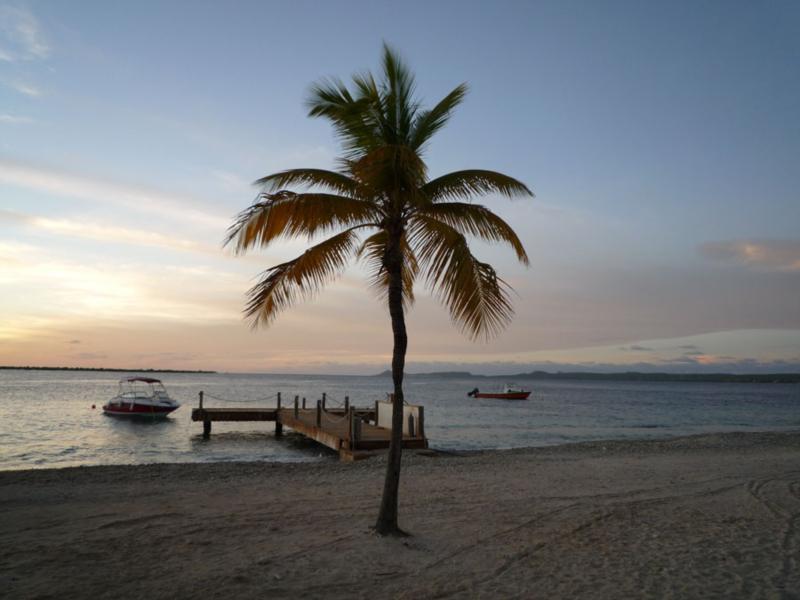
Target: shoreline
711, 514
612, 443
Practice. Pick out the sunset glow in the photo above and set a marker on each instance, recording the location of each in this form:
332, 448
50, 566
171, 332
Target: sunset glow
662, 238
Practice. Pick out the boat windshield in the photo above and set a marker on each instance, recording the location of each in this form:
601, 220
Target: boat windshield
142, 389
513, 387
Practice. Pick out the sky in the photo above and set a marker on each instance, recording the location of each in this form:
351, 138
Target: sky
661, 141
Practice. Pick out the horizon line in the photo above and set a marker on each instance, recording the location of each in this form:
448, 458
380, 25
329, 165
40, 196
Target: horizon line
387, 372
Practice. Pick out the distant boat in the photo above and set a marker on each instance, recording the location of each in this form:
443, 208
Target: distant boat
140, 397
508, 392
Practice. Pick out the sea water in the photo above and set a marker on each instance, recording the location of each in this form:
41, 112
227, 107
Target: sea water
47, 419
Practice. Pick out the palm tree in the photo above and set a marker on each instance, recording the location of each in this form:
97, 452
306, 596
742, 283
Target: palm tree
382, 209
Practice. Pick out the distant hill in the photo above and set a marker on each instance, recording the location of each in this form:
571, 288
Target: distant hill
621, 376
442, 374
102, 369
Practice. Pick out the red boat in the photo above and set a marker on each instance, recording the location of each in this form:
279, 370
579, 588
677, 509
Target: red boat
507, 393
140, 397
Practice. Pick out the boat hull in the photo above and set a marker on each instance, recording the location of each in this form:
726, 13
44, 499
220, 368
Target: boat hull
503, 395
137, 410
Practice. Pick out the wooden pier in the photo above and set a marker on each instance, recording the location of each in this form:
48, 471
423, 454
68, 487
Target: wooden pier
355, 433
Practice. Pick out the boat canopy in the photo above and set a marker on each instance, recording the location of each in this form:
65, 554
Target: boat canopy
142, 379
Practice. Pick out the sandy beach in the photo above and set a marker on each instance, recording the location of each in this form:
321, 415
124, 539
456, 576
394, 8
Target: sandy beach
705, 516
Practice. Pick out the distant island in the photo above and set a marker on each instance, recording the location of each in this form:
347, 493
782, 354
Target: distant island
621, 376
103, 369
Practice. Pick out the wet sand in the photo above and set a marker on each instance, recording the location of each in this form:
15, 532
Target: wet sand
704, 516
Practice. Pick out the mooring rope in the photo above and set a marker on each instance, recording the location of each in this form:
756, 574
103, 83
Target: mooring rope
332, 398
333, 419
221, 399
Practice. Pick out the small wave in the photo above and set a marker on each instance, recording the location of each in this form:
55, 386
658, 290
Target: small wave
647, 426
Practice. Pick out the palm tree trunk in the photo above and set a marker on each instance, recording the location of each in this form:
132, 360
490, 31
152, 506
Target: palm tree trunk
387, 517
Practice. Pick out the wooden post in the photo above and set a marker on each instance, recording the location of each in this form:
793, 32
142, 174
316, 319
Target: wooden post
296, 401
350, 428
411, 425
319, 413
304, 403
421, 427
324, 396
206, 422
278, 424
346, 403
356, 430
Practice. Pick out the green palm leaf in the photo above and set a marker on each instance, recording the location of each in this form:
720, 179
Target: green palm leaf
428, 122
300, 279
478, 300
462, 185
477, 220
287, 214
330, 180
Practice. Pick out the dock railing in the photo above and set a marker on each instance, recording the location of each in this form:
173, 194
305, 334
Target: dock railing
413, 418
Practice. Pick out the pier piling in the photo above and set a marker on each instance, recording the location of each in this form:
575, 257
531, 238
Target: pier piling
278, 424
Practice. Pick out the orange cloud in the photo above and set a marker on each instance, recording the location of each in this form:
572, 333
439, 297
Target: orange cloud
781, 255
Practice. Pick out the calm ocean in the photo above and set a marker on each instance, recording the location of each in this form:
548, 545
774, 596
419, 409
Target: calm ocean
47, 420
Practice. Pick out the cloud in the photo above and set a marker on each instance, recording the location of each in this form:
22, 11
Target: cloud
636, 348
21, 36
140, 198
15, 120
688, 347
104, 232
230, 180
780, 255
73, 342
24, 88
91, 355
59, 290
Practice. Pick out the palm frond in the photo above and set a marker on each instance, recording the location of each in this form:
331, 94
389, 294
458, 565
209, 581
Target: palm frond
477, 220
372, 119
330, 180
287, 214
373, 252
394, 169
478, 300
461, 185
331, 99
428, 122
300, 279
399, 105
